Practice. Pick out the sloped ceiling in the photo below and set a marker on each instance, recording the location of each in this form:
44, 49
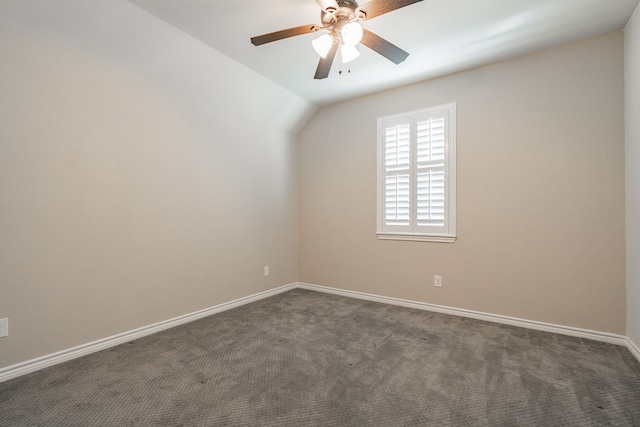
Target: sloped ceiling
199, 80
170, 37
442, 36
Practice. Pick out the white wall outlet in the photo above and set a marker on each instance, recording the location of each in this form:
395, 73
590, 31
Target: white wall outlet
266, 270
4, 327
437, 281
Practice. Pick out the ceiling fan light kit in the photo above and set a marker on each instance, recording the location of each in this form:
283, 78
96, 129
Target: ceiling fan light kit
349, 53
341, 19
351, 33
322, 45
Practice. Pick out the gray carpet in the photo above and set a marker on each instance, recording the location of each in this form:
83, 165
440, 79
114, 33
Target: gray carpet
304, 358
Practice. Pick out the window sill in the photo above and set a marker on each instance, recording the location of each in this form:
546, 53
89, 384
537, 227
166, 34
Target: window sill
417, 237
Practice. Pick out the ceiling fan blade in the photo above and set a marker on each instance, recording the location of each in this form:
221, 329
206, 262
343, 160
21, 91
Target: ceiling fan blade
385, 48
378, 7
327, 5
283, 34
324, 66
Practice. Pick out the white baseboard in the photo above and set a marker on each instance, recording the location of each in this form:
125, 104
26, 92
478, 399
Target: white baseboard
633, 348
92, 347
495, 318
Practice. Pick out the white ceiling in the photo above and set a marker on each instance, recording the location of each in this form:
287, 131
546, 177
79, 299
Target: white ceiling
442, 36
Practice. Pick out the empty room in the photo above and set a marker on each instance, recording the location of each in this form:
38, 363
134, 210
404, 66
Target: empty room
319, 213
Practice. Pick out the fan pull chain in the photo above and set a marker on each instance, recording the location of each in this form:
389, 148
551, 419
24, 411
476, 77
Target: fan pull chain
348, 71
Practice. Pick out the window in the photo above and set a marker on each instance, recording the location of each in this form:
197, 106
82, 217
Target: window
416, 175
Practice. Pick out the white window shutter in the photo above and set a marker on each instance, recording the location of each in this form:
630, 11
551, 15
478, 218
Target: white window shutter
398, 200
397, 146
397, 176
430, 173
416, 175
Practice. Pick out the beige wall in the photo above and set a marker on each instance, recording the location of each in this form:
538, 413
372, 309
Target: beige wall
541, 232
125, 201
632, 152
120, 208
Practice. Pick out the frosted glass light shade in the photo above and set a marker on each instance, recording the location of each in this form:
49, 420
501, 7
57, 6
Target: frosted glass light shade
322, 45
352, 33
349, 53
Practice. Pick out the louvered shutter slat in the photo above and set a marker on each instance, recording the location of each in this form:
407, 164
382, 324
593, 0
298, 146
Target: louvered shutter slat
397, 147
398, 199
397, 182
430, 198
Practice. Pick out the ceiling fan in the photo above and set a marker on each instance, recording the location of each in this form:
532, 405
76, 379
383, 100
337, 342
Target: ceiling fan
341, 20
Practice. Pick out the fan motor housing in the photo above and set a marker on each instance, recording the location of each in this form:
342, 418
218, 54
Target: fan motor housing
347, 11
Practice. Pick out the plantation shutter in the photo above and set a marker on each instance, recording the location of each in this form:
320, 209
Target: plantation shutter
397, 185
416, 175
430, 172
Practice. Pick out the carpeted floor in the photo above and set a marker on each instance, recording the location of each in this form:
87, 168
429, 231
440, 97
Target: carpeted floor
304, 358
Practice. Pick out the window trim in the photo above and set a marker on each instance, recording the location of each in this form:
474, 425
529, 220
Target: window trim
450, 178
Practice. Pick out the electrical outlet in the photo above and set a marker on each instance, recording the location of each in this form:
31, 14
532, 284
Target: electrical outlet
4, 327
437, 281
266, 270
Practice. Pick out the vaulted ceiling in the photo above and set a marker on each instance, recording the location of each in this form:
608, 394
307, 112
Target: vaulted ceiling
442, 36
